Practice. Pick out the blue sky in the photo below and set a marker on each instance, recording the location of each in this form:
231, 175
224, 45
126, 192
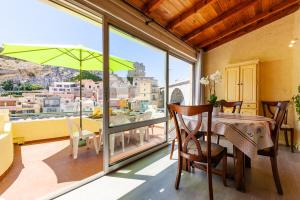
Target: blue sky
34, 22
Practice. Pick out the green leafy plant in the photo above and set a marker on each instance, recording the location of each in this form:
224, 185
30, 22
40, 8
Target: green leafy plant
86, 75
213, 99
211, 82
7, 85
296, 99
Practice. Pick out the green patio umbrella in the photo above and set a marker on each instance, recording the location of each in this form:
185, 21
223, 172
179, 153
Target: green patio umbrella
74, 57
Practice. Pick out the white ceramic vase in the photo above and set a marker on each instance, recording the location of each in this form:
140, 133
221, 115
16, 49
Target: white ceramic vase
216, 111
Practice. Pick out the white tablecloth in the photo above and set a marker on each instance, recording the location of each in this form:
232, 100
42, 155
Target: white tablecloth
247, 133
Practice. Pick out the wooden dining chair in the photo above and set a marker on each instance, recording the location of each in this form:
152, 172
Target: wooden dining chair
236, 108
172, 134
280, 112
269, 111
194, 152
235, 105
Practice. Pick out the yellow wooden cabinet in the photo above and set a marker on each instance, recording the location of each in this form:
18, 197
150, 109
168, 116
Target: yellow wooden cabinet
241, 84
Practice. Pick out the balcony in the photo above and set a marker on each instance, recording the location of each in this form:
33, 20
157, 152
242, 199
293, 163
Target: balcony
46, 153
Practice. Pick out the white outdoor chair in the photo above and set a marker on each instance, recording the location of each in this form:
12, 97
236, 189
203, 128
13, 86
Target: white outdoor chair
143, 131
76, 134
119, 119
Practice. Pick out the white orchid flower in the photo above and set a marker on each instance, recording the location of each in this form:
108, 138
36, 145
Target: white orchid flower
204, 81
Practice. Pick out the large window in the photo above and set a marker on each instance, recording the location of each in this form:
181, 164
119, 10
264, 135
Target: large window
136, 91
46, 94
136, 95
180, 81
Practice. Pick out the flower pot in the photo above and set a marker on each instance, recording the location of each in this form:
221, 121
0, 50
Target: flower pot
216, 111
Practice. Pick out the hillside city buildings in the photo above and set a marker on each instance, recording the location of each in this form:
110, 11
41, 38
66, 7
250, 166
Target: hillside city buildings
135, 92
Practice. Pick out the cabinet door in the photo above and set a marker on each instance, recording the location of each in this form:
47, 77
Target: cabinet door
248, 111
248, 83
232, 77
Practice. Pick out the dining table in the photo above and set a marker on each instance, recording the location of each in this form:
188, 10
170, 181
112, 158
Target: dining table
248, 134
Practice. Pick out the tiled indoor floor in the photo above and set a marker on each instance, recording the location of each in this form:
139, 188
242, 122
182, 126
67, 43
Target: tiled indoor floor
153, 178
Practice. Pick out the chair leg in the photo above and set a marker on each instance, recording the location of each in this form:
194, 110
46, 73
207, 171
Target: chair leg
112, 144
123, 142
129, 136
142, 135
286, 137
292, 140
75, 147
96, 144
276, 175
218, 139
209, 179
188, 165
172, 149
224, 170
100, 140
179, 170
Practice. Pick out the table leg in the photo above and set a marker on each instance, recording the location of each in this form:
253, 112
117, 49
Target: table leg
239, 170
247, 162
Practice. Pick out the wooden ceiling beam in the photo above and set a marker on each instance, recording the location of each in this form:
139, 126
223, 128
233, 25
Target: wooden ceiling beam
151, 6
232, 11
186, 14
232, 30
253, 27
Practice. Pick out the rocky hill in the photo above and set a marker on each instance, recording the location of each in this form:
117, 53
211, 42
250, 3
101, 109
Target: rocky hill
22, 71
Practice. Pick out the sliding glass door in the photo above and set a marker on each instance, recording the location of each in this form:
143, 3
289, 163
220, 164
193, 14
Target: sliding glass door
137, 108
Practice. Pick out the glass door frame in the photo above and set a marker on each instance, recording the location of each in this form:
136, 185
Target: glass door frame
107, 130
193, 74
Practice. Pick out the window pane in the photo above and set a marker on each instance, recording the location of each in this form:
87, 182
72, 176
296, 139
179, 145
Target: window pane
136, 92
180, 81
127, 143
42, 101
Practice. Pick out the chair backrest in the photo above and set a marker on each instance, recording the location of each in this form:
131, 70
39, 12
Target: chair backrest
119, 119
276, 110
235, 105
72, 127
185, 135
144, 116
270, 107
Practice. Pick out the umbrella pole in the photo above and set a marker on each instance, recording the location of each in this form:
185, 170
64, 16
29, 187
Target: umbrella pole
80, 92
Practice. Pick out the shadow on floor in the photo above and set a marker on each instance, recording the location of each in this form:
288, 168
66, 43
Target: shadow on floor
68, 169
14, 171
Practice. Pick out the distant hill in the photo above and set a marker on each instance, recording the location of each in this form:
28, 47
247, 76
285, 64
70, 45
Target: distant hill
22, 71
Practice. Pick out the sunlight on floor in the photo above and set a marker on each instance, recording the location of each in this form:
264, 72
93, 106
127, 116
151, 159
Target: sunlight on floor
156, 167
123, 171
106, 188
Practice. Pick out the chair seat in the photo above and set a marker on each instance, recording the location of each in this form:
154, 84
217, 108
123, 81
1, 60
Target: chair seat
217, 151
85, 134
266, 152
286, 126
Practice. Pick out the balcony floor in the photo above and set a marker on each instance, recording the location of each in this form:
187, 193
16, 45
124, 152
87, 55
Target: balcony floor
153, 177
45, 167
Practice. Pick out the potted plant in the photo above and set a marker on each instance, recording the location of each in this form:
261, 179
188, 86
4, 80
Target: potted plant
296, 99
211, 82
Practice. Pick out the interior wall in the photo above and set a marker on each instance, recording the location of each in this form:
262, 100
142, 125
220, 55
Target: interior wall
279, 64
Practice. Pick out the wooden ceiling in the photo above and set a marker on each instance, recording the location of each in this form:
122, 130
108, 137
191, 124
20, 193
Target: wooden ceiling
207, 24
